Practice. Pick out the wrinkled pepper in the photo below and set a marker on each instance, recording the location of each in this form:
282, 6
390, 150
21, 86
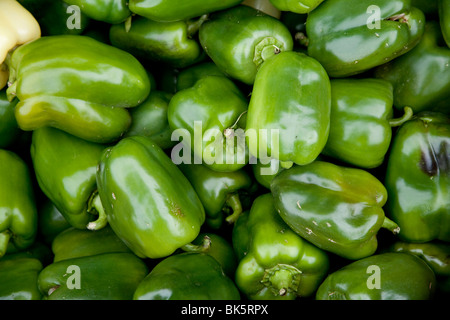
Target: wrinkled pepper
297, 6
444, 19
149, 203
149, 119
240, 39
187, 276
277, 263
220, 192
210, 117
107, 276
176, 10
421, 78
9, 129
361, 121
89, 86
339, 209
418, 178
169, 42
350, 39
109, 11
18, 212
17, 26
386, 276
65, 168
289, 112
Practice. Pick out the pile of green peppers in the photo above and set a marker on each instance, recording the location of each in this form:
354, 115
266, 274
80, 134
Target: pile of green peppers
227, 150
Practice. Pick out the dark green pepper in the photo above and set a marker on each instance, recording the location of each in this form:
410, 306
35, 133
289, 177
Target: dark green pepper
240, 39
418, 178
444, 18
297, 6
75, 243
219, 192
109, 11
361, 121
220, 249
350, 39
289, 111
176, 10
189, 76
338, 209
58, 18
421, 78
436, 254
18, 277
88, 86
18, 212
150, 119
107, 276
209, 117
168, 42
387, 276
65, 168
149, 203
277, 263
51, 221
9, 130
187, 276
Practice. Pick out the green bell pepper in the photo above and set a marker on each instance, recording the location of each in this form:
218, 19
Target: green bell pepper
189, 76
209, 118
18, 276
75, 243
107, 276
418, 177
50, 221
88, 86
187, 276
169, 42
65, 168
220, 249
387, 276
297, 6
278, 263
149, 203
57, 18
240, 39
361, 121
109, 11
176, 10
150, 119
287, 124
444, 19
421, 78
265, 172
220, 192
350, 39
436, 254
9, 129
338, 209
18, 212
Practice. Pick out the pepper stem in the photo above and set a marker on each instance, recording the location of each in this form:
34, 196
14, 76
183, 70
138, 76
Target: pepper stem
4, 240
282, 279
194, 25
95, 205
234, 203
407, 115
390, 225
302, 39
203, 247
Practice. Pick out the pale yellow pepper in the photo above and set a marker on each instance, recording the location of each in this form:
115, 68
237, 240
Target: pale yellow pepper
17, 26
